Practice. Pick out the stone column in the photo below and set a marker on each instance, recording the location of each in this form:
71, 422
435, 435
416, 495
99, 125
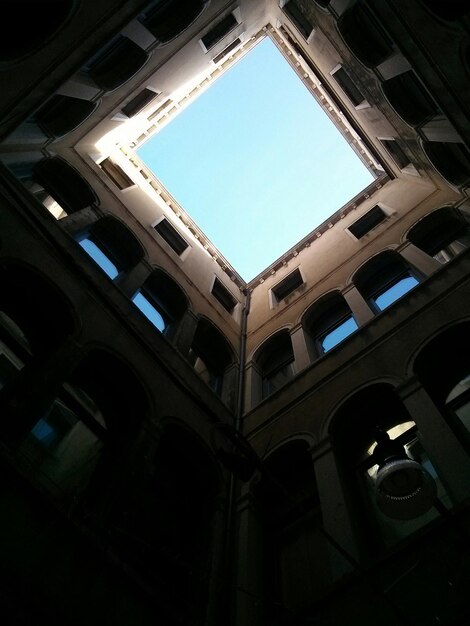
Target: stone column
229, 393
359, 308
424, 263
131, 281
304, 352
218, 578
253, 386
249, 563
336, 518
78, 223
445, 451
183, 335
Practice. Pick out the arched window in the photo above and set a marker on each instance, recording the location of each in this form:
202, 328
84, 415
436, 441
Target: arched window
384, 279
295, 550
329, 321
442, 234
64, 184
119, 61
410, 99
355, 430
451, 160
112, 246
168, 19
210, 354
162, 301
275, 360
62, 114
442, 367
33, 25
365, 35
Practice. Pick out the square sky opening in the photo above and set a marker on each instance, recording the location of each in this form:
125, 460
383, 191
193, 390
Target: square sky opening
255, 161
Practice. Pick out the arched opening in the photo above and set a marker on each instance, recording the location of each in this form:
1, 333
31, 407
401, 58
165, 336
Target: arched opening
210, 355
62, 114
36, 316
410, 99
64, 184
112, 246
295, 552
166, 20
443, 369
275, 361
354, 432
162, 301
451, 160
384, 279
117, 63
365, 35
30, 26
84, 431
442, 234
328, 322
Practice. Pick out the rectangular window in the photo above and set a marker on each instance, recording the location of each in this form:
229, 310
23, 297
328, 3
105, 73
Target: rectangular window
288, 285
396, 152
116, 174
347, 85
367, 222
227, 50
171, 236
223, 295
139, 102
219, 31
297, 15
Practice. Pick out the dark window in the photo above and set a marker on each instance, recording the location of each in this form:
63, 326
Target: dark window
409, 98
328, 322
275, 360
364, 35
448, 9
117, 63
139, 102
169, 19
116, 174
224, 296
298, 17
288, 285
226, 50
61, 114
367, 222
396, 152
219, 31
451, 160
347, 85
171, 236
443, 234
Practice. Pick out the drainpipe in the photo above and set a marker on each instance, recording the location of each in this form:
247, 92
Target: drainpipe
229, 544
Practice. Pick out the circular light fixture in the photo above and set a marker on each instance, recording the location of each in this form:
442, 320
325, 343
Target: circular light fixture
404, 489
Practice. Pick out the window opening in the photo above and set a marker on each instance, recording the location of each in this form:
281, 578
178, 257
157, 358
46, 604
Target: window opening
297, 14
227, 50
171, 236
116, 174
139, 102
367, 222
348, 86
396, 152
394, 292
150, 310
288, 285
99, 257
338, 333
223, 295
219, 31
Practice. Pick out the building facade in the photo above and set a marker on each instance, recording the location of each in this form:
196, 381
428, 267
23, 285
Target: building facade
181, 447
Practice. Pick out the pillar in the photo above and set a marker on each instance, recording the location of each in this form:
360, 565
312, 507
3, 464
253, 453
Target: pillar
253, 386
304, 352
417, 258
131, 281
360, 309
78, 223
183, 335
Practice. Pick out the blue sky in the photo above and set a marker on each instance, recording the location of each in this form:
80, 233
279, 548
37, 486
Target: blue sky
255, 161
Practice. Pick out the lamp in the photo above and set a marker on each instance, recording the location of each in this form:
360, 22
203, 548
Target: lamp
404, 489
